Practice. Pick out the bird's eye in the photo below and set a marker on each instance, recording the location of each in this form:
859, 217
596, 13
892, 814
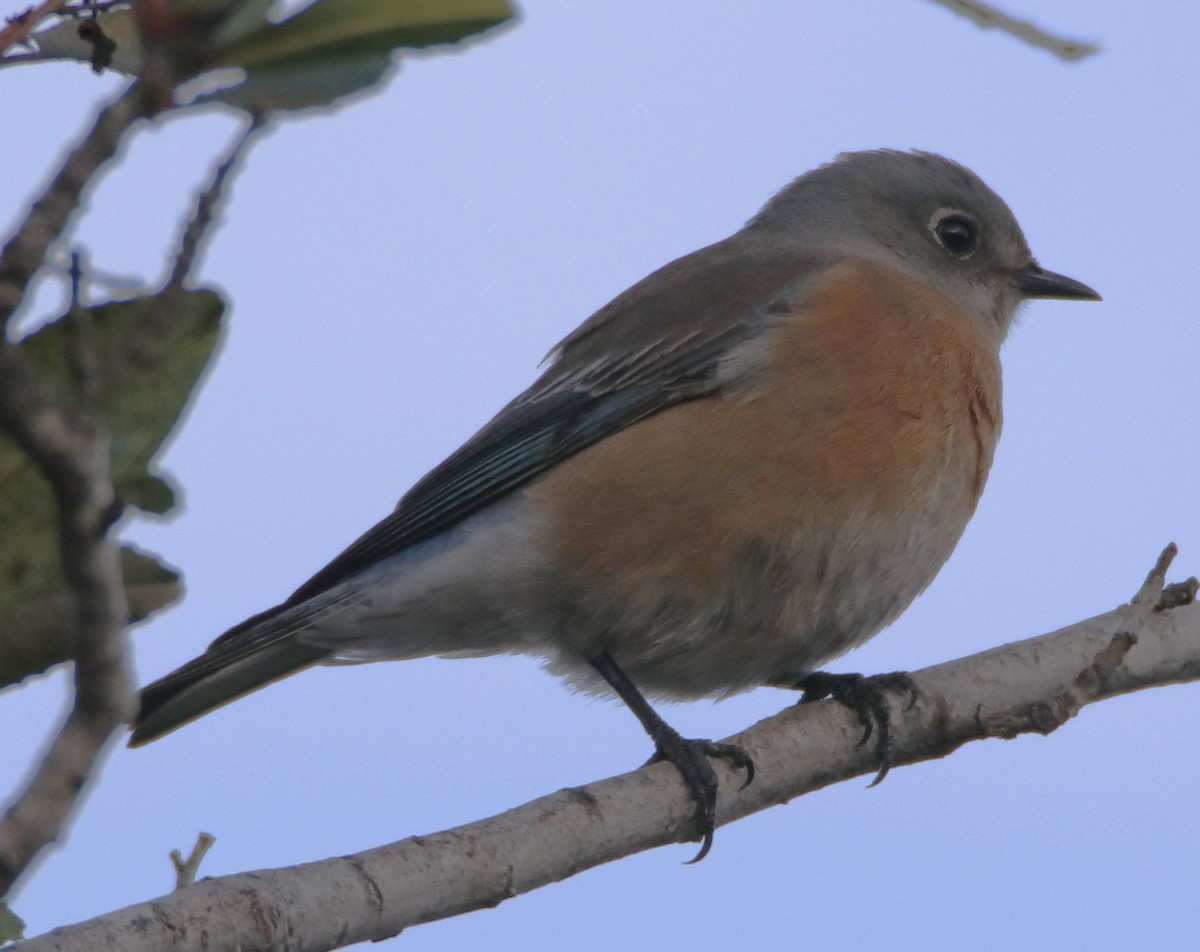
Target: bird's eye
956, 232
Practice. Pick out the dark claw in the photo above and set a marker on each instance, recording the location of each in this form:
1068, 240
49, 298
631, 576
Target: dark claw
690, 758
865, 697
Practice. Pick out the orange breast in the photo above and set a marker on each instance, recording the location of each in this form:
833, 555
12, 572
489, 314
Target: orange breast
879, 394
800, 515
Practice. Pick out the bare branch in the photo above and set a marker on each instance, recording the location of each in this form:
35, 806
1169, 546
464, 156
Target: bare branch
74, 459
1034, 685
990, 17
73, 456
186, 869
25, 251
1152, 589
19, 27
158, 328
199, 227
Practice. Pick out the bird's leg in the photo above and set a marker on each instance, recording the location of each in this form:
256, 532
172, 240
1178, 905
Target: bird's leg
690, 757
865, 697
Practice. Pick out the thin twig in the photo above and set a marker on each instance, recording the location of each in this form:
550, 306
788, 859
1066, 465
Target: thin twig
1151, 591
19, 27
84, 365
73, 456
25, 252
154, 331
199, 227
186, 869
990, 17
74, 460
99, 278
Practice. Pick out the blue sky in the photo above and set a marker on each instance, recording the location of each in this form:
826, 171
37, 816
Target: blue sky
398, 269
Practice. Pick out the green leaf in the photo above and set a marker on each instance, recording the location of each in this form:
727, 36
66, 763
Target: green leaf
148, 493
138, 398
329, 50
12, 926
246, 18
352, 28
300, 85
141, 395
33, 628
335, 48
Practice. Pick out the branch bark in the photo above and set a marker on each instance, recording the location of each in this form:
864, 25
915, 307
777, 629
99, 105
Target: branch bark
159, 327
74, 459
71, 450
24, 253
989, 17
73, 455
1028, 686
18, 28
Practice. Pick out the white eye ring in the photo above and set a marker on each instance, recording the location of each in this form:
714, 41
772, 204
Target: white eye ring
956, 232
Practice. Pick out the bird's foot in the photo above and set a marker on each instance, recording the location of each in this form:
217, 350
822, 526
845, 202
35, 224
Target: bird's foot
865, 696
691, 759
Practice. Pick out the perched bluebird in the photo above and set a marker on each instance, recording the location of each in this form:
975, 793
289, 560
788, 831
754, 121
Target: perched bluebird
743, 466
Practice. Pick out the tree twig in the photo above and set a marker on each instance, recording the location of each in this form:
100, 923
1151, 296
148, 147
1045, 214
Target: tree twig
156, 329
208, 200
19, 27
25, 252
74, 459
186, 869
73, 456
989, 17
1029, 686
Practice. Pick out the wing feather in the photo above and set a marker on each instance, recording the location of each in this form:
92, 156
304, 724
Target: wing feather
656, 345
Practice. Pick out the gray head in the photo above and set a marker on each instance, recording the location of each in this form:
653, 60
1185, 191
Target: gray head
928, 216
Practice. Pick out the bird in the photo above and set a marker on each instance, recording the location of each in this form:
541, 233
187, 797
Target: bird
743, 466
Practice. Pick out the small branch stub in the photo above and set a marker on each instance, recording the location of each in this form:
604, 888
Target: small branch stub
186, 869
